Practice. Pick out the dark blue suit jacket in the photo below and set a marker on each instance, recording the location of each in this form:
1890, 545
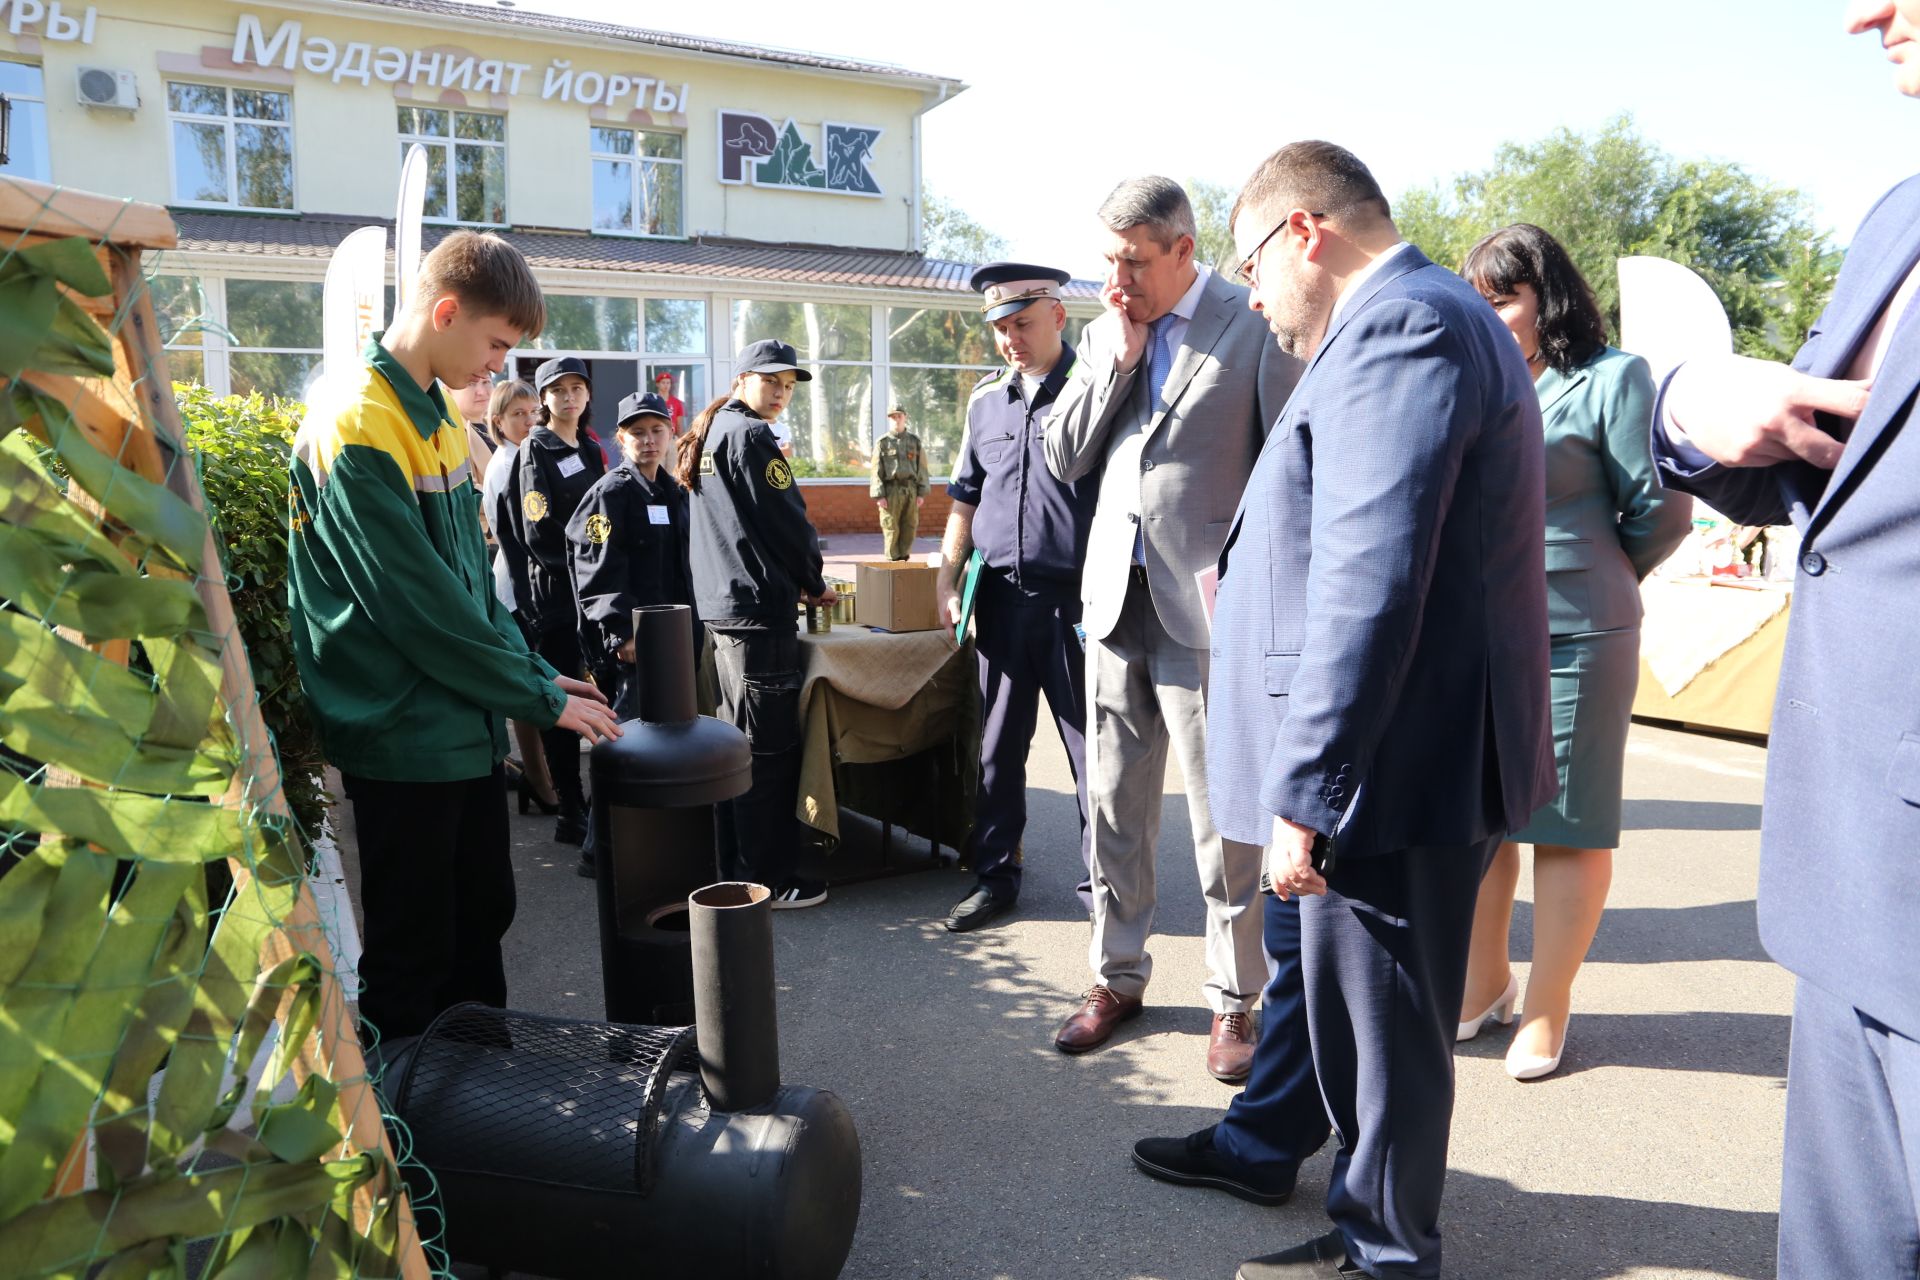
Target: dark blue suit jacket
1840, 841
1380, 633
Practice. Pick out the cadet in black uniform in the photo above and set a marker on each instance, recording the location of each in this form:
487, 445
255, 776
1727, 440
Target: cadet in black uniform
628, 542
755, 558
556, 466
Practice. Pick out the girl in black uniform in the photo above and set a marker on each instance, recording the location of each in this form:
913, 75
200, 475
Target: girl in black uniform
557, 464
755, 558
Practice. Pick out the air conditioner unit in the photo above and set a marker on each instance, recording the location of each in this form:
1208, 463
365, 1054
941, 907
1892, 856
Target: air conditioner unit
108, 87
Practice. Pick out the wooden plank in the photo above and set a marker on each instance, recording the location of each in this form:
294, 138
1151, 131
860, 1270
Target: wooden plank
38, 208
334, 1049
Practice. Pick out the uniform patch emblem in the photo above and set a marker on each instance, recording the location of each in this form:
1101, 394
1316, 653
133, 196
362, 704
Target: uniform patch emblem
779, 474
706, 465
599, 528
534, 505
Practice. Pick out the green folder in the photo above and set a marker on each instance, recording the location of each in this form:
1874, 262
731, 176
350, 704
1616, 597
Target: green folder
969, 584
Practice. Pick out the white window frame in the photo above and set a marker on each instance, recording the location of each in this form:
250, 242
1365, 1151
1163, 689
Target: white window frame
46, 151
636, 163
449, 143
228, 122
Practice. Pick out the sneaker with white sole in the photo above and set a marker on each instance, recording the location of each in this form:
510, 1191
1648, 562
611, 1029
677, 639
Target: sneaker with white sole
789, 895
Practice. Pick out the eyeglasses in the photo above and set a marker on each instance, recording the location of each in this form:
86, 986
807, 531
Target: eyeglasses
1247, 273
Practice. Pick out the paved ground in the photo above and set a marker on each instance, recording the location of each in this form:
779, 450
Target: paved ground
1653, 1154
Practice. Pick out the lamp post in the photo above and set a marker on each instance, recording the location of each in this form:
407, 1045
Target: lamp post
6, 127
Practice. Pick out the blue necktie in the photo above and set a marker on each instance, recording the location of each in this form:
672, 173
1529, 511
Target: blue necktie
1159, 364
1159, 359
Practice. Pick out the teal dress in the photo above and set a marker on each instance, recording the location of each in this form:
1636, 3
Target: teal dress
1609, 523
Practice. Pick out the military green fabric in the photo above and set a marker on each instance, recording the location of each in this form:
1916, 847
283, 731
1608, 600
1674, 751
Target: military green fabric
899, 520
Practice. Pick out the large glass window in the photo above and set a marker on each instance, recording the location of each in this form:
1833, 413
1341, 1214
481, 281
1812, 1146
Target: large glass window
181, 306
25, 90
677, 325
830, 417
231, 147
938, 355
590, 324
638, 182
466, 163
273, 329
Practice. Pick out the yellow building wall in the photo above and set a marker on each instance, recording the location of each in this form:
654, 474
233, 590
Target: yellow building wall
345, 134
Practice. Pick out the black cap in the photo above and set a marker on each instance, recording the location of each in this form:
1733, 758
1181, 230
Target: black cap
769, 356
557, 368
642, 403
1011, 287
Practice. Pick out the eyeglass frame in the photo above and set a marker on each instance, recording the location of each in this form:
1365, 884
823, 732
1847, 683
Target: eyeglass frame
1244, 273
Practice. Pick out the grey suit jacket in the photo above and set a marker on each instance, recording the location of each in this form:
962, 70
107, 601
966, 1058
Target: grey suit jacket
1177, 472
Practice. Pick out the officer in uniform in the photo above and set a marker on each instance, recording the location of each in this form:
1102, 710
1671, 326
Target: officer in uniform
755, 558
557, 464
1031, 531
628, 544
899, 484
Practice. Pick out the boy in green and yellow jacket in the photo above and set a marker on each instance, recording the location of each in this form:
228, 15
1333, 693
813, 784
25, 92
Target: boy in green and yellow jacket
410, 664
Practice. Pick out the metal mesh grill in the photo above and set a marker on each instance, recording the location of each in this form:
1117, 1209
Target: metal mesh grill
547, 1099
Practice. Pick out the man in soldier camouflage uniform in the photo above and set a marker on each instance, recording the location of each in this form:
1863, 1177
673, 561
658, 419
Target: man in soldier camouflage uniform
899, 484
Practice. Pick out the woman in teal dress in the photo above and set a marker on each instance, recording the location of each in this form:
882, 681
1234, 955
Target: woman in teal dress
1608, 524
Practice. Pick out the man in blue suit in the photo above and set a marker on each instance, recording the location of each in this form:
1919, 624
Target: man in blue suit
1840, 838
1379, 716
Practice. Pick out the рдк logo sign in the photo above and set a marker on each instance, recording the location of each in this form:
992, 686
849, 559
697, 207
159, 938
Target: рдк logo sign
753, 149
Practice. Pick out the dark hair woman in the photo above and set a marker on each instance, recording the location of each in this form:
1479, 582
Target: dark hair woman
1608, 524
552, 471
755, 557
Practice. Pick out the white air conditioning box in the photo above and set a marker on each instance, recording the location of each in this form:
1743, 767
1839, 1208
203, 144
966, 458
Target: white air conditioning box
108, 87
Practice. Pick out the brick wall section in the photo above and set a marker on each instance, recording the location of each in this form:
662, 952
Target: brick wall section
843, 506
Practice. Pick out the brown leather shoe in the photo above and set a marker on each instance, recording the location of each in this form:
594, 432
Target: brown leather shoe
1230, 1047
1103, 1010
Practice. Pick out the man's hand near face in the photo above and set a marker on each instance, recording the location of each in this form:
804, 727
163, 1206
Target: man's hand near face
1119, 332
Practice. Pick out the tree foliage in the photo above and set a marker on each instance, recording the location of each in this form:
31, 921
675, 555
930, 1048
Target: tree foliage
1213, 239
242, 445
949, 232
1613, 193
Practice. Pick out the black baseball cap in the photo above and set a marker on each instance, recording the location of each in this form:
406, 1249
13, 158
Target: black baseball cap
641, 404
557, 368
769, 356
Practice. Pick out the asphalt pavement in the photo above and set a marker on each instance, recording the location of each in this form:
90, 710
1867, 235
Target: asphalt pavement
1653, 1153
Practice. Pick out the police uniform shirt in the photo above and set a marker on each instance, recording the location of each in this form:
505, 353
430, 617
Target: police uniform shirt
1027, 525
548, 484
754, 550
629, 546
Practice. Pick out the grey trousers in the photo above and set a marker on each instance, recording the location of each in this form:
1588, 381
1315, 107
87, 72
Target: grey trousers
1144, 690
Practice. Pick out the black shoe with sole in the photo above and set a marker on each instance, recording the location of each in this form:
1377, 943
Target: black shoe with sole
789, 895
1322, 1259
979, 909
1193, 1161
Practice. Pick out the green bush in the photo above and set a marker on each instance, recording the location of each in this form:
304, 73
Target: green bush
241, 446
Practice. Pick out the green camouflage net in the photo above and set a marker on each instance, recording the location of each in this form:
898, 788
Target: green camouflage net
181, 1087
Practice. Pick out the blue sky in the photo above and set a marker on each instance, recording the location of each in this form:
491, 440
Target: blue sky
1066, 99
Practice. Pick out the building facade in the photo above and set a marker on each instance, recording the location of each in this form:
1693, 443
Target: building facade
677, 196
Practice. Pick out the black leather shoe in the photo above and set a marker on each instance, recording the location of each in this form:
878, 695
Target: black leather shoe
1193, 1161
980, 908
1322, 1259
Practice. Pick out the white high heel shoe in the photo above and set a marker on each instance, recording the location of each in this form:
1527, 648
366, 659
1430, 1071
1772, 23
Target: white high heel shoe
1533, 1068
1501, 1011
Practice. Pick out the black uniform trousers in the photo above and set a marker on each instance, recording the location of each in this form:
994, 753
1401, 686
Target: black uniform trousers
758, 833
436, 897
1384, 959
1025, 647
561, 648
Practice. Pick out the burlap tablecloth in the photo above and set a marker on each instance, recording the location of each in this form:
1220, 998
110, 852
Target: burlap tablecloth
1710, 656
882, 698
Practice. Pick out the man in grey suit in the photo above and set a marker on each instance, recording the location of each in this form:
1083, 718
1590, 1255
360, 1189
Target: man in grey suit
1380, 688
1173, 394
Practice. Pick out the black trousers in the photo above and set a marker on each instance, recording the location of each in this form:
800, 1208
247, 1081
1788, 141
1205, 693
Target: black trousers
561, 649
758, 834
436, 896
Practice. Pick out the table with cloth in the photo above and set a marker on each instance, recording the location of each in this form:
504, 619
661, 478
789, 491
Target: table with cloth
1710, 651
890, 727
